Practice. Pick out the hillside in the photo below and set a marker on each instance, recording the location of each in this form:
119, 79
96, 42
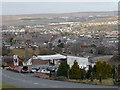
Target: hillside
115, 60
16, 19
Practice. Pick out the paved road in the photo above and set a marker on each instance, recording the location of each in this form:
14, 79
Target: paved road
29, 81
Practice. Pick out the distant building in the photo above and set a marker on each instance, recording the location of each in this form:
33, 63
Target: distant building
45, 60
82, 62
9, 61
55, 60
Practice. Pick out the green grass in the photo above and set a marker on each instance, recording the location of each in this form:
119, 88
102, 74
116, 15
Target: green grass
107, 82
6, 85
22, 52
29, 52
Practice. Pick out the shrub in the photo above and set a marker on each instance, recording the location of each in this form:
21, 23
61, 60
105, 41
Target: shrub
61, 78
75, 71
63, 69
119, 71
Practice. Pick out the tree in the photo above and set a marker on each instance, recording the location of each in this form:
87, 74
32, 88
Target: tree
61, 45
76, 49
98, 69
11, 40
67, 25
88, 74
63, 69
94, 71
104, 69
101, 50
91, 51
5, 51
75, 71
82, 74
59, 41
109, 71
119, 71
113, 71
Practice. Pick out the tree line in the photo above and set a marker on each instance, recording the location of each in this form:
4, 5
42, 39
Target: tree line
102, 70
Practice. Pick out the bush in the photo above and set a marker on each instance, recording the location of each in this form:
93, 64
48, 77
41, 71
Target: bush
61, 78
75, 71
63, 69
119, 71
82, 74
88, 74
104, 69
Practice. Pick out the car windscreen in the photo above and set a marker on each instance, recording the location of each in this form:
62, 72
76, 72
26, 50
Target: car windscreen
25, 68
33, 68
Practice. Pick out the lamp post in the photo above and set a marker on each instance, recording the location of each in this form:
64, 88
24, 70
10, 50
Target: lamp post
92, 76
100, 78
116, 75
68, 76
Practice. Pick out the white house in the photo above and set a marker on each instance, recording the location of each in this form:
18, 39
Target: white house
51, 58
82, 62
57, 58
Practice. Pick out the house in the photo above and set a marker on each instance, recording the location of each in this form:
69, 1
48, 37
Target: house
55, 60
9, 61
45, 60
82, 62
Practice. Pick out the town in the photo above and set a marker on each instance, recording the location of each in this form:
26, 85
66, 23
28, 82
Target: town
53, 48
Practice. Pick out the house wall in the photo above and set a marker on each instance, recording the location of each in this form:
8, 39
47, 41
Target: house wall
82, 62
11, 63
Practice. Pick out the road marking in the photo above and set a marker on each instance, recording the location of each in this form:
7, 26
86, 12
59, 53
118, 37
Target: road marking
35, 83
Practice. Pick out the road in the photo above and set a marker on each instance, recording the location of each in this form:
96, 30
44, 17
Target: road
20, 80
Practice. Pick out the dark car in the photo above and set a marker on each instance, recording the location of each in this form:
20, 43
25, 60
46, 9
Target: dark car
24, 69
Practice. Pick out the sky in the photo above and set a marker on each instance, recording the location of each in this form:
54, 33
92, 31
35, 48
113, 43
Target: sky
17, 8
59, 0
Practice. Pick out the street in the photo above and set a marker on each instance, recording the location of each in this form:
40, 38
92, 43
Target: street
20, 80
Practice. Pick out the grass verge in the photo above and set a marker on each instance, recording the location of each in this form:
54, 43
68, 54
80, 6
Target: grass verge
6, 85
107, 82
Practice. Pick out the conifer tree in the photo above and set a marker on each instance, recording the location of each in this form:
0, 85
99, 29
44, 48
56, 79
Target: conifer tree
113, 71
99, 69
63, 69
109, 71
119, 71
75, 71
88, 74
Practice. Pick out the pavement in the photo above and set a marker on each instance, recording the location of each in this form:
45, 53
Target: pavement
28, 80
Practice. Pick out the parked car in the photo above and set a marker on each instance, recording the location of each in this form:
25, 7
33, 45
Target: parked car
24, 69
39, 70
33, 69
44, 71
56, 70
51, 68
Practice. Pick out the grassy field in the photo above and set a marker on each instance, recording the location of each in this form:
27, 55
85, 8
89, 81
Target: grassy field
16, 19
30, 52
107, 82
23, 52
6, 85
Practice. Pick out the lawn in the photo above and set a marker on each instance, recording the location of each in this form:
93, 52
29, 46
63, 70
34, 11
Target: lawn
107, 82
29, 51
3, 85
23, 52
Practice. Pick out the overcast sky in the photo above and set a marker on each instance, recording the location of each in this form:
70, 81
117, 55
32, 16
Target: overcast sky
17, 8
60, 0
